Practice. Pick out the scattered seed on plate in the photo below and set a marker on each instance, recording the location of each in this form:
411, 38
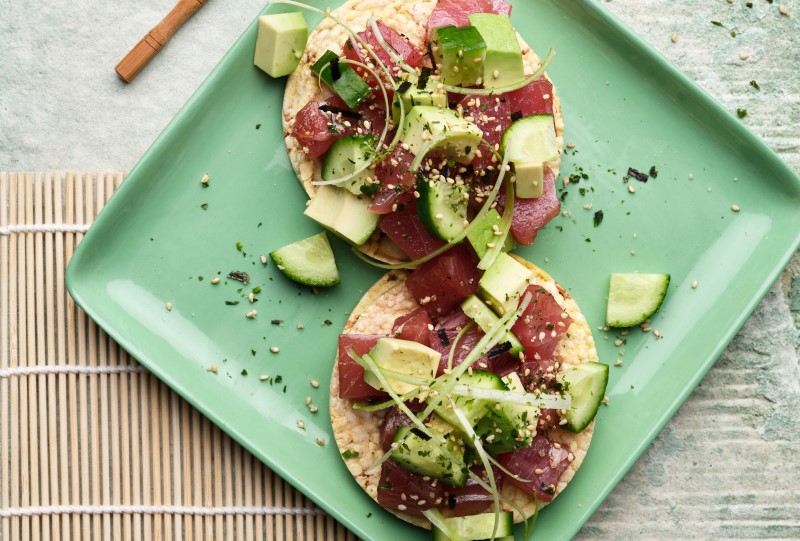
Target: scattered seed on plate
263, 377
251, 297
204, 180
618, 362
314, 383
212, 369
618, 342
274, 349
694, 284
656, 333
743, 56
251, 314
168, 306
631, 189
735, 208
674, 37
215, 281
605, 400
320, 442
263, 260
300, 424
783, 11
300, 325
312, 408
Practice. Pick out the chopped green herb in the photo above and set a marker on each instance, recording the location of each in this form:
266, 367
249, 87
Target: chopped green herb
231, 303
204, 206
239, 246
741, 112
244, 372
653, 172
258, 126
717, 23
349, 453
327, 322
257, 290
253, 352
754, 84
598, 218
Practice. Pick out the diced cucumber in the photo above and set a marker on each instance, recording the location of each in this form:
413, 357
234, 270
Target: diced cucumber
343, 213
633, 298
486, 319
442, 207
477, 527
472, 408
586, 383
505, 427
459, 53
342, 79
530, 142
345, 156
441, 457
483, 234
309, 261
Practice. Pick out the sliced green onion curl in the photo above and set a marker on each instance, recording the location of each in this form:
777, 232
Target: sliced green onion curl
542, 401
388, 48
456, 340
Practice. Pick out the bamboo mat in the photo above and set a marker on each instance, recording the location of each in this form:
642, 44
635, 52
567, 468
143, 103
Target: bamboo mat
92, 446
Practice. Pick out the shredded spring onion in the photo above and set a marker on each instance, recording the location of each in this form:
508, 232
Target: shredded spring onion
542, 401
437, 520
456, 340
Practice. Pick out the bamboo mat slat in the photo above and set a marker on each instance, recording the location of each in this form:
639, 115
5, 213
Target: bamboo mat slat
92, 446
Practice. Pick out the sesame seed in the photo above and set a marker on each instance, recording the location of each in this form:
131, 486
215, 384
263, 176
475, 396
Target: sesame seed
215, 281
694, 284
674, 37
300, 424
570, 145
656, 333
314, 383
320, 442
168, 306
618, 342
618, 362
743, 56
274, 349
204, 179
263, 377
212, 369
587, 206
312, 408
605, 400
735, 208
631, 189
251, 297
401, 507
263, 260
251, 314
300, 326
496, 74
783, 11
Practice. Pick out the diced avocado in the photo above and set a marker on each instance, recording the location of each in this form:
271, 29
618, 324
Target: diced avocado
424, 122
483, 234
413, 95
345, 156
502, 285
476, 527
440, 457
530, 142
459, 53
503, 64
343, 213
403, 356
280, 42
342, 79
486, 320
472, 408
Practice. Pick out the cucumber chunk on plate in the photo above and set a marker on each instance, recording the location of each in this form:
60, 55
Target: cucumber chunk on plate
474, 527
309, 261
586, 383
633, 297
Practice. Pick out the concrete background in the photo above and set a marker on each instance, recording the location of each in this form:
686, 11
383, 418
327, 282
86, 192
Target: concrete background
727, 465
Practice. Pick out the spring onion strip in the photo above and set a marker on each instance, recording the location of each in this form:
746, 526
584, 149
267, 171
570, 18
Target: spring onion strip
489, 340
388, 48
542, 401
487, 205
466, 427
388, 403
499, 241
529, 527
436, 518
456, 340
373, 367
481, 483
516, 86
379, 462
382, 137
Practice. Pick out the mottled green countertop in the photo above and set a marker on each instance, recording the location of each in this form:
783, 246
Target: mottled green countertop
728, 464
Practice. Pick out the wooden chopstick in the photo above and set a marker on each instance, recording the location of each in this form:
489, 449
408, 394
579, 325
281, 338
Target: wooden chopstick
147, 48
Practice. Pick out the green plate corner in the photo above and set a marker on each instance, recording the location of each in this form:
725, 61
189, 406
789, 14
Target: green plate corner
163, 237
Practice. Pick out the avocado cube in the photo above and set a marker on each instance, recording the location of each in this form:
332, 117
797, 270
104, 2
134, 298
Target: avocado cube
412, 95
424, 122
459, 53
405, 357
503, 284
503, 64
529, 179
280, 42
486, 320
343, 213
342, 79
483, 233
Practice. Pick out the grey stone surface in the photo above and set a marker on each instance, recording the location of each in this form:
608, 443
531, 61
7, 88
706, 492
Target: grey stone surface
727, 465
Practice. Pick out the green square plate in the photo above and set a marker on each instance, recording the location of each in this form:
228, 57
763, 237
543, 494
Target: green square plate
623, 106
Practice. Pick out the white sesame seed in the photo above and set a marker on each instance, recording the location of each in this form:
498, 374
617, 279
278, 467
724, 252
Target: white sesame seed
251, 297
618, 362
251, 314
168, 306
320, 442
631, 189
694, 284
212, 369
300, 424
743, 56
215, 281
735, 208
263, 260
263, 377
496, 74
274, 349
204, 179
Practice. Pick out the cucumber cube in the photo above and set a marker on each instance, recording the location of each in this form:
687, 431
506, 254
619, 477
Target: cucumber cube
503, 283
342, 79
459, 53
